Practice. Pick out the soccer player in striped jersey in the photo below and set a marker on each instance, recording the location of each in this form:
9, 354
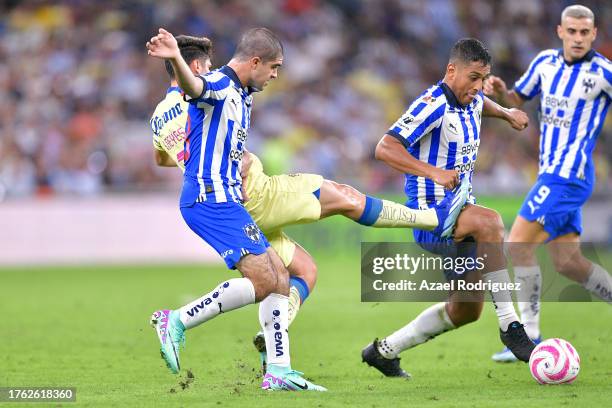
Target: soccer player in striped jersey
278, 201
435, 143
575, 88
216, 131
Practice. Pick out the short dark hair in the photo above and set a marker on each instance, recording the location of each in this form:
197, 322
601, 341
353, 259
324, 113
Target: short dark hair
192, 48
259, 42
577, 11
470, 50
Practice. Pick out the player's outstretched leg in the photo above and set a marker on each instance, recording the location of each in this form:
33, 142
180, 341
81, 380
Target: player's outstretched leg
342, 199
170, 325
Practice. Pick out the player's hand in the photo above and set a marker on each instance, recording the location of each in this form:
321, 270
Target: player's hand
449, 179
243, 190
494, 87
517, 119
163, 45
246, 164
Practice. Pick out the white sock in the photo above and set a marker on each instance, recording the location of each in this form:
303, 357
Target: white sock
528, 297
431, 322
600, 283
294, 304
502, 299
229, 295
273, 317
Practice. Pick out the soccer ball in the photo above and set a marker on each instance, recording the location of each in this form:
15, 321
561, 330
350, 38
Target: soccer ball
554, 361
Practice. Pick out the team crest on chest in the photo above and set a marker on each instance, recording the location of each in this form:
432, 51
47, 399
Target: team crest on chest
253, 232
588, 84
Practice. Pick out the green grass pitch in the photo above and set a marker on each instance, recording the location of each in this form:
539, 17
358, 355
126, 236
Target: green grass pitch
87, 327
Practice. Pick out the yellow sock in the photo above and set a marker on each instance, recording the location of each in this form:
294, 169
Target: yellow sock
294, 303
394, 215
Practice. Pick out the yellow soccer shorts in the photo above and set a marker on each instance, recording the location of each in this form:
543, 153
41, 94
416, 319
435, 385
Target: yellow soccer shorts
283, 200
282, 244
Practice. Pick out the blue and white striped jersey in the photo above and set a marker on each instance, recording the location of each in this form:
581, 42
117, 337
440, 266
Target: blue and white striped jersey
438, 130
217, 127
574, 101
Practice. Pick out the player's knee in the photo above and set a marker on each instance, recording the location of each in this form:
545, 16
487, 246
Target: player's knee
521, 253
351, 198
462, 313
345, 197
305, 269
310, 274
260, 271
491, 226
264, 285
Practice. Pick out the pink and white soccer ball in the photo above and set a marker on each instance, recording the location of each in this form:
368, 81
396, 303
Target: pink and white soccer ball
554, 361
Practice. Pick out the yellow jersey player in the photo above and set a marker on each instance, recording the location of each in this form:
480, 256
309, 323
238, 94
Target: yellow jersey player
275, 202
170, 116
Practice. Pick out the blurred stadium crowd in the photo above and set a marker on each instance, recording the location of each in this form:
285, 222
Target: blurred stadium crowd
77, 88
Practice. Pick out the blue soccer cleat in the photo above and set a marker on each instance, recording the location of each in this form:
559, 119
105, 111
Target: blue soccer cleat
506, 356
450, 207
171, 333
286, 379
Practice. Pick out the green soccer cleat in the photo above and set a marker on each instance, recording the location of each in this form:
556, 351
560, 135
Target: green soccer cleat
171, 333
286, 379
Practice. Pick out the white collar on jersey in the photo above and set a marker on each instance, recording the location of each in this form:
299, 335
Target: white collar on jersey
229, 71
587, 57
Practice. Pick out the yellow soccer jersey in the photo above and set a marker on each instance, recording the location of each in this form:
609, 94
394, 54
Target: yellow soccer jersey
168, 126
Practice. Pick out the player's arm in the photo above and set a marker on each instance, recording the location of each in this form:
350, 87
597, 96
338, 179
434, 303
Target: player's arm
515, 117
391, 151
164, 45
246, 163
244, 172
163, 159
525, 88
496, 88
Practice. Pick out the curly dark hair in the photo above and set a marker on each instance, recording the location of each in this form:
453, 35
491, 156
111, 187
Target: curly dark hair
192, 48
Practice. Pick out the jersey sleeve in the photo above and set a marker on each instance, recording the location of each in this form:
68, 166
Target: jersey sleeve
421, 118
529, 84
155, 127
216, 87
606, 68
